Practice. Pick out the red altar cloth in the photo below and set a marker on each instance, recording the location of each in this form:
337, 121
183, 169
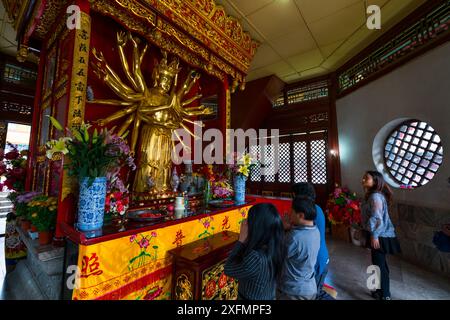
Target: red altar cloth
283, 205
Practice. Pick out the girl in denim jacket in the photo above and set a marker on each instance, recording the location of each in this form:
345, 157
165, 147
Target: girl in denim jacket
381, 238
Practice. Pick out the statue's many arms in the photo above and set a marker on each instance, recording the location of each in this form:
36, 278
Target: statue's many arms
154, 112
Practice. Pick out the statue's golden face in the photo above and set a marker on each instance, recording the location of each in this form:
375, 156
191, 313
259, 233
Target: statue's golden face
165, 82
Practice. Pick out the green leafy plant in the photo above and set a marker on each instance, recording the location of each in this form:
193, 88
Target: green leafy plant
21, 210
91, 155
42, 212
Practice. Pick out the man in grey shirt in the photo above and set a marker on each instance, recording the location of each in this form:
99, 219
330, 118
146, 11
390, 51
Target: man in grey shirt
302, 243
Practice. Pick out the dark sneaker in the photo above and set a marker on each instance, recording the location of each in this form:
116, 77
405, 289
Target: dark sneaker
386, 298
376, 295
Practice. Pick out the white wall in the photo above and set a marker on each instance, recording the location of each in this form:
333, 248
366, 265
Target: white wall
419, 89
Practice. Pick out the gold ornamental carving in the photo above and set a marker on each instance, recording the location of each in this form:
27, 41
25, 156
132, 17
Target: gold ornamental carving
184, 40
153, 111
164, 36
56, 157
22, 53
61, 92
41, 149
216, 285
51, 11
138, 10
198, 27
214, 50
59, 33
183, 288
209, 23
16, 10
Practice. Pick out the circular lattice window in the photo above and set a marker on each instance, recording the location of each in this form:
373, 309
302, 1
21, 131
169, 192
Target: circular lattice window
413, 153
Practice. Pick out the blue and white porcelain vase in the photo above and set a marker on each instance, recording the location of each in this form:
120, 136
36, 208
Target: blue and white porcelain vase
91, 204
239, 188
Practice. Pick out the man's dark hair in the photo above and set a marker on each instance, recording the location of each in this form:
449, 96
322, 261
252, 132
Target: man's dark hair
304, 190
305, 206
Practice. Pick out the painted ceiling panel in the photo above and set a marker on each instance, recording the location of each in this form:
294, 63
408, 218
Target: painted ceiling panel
284, 18
294, 43
250, 6
306, 60
264, 56
332, 28
299, 35
314, 10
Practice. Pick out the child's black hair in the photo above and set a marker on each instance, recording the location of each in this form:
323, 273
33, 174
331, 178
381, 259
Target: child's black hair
305, 206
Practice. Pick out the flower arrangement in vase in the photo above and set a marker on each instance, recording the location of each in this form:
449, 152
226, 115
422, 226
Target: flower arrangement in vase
222, 190
117, 193
117, 202
42, 212
241, 167
218, 182
242, 164
208, 172
90, 155
344, 209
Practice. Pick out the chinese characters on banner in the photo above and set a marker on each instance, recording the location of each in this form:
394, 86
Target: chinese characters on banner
179, 238
78, 85
79, 72
226, 223
90, 266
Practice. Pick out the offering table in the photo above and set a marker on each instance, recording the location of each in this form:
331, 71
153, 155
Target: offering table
198, 271
132, 262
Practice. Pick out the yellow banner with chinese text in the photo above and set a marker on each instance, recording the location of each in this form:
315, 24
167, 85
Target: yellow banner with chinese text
138, 267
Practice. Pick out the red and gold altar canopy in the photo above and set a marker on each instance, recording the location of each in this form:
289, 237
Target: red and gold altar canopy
197, 31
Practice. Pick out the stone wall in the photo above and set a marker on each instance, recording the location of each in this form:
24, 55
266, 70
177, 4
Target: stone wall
39, 276
415, 227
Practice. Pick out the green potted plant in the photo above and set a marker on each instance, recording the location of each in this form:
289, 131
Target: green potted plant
42, 212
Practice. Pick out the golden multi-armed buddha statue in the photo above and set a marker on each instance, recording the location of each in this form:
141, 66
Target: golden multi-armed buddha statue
154, 113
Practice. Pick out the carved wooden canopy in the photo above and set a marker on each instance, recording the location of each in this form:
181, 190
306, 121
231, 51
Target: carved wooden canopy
198, 31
